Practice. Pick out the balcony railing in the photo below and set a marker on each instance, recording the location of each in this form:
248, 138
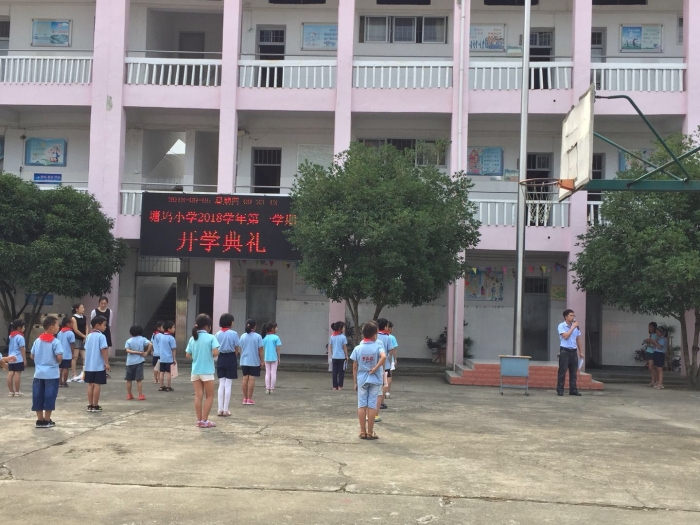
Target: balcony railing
500, 76
667, 78
287, 74
404, 74
45, 70
494, 212
593, 216
173, 72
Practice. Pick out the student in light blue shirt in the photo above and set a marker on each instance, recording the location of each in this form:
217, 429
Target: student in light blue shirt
47, 354
227, 364
67, 339
384, 337
272, 346
155, 342
137, 348
167, 355
392, 359
338, 347
368, 358
96, 362
16, 349
202, 348
660, 355
251, 360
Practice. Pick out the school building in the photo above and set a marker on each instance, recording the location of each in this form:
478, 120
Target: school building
120, 97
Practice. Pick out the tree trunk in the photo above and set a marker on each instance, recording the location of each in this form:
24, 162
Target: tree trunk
377, 311
694, 373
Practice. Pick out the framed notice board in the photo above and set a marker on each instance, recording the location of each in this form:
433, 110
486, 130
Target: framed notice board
216, 226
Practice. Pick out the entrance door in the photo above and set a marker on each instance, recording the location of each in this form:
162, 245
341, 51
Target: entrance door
205, 300
541, 50
536, 318
271, 46
261, 299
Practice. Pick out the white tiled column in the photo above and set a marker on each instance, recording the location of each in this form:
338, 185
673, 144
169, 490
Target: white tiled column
228, 139
458, 161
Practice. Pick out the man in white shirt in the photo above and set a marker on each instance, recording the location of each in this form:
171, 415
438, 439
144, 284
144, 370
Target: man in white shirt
569, 353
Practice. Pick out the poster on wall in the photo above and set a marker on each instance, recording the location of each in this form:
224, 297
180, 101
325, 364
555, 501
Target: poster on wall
485, 161
484, 285
557, 292
319, 37
627, 162
640, 38
51, 33
45, 152
491, 37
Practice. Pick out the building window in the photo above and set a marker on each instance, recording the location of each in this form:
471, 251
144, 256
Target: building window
267, 170
403, 2
376, 29
297, 2
520, 3
619, 2
426, 151
405, 30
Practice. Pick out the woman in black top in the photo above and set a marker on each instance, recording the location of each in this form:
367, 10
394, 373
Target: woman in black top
107, 314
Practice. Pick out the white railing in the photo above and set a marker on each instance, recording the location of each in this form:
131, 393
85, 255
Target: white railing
45, 70
500, 76
298, 74
495, 212
638, 77
413, 74
173, 72
131, 202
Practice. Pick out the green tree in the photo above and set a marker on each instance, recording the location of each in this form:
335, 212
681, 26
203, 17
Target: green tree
644, 257
377, 226
56, 241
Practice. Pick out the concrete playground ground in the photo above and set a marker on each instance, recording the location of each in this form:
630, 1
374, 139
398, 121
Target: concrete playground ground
446, 455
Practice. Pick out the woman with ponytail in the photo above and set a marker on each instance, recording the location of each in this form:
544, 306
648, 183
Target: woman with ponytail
251, 360
202, 348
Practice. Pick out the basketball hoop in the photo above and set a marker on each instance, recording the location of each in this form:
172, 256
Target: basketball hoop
539, 197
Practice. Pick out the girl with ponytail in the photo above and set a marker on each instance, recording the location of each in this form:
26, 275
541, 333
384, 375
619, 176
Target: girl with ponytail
202, 348
251, 360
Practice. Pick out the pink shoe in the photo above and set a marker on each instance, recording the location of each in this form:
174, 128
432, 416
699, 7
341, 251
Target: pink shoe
129, 397
250, 402
245, 401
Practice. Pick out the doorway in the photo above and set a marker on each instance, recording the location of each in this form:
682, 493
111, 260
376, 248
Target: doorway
541, 50
536, 318
261, 297
205, 300
271, 46
191, 46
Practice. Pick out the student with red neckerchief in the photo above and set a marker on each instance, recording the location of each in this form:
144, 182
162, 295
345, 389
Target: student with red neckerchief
47, 354
338, 346
67, 339
16, 348
368, 358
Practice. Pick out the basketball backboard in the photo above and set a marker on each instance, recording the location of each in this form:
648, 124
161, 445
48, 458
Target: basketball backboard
577, 146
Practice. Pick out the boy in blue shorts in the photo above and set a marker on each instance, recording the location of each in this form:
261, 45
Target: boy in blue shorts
167, 355
368, 359
155, 342
47, 354
67, 339
96, 362
137, 348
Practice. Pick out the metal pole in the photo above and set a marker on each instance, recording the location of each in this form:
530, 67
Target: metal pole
522, 204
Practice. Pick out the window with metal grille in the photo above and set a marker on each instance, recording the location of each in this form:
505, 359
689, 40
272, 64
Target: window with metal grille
427, 152
272, 36
597, 38
541, 39
376, 29
539, 162
403, 29
402, 144
267, 170
538, 285
434, 30
4, 29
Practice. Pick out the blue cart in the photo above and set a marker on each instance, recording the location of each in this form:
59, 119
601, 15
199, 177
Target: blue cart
515, 366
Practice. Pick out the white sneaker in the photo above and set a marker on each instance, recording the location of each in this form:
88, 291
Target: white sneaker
387, 394
78, 380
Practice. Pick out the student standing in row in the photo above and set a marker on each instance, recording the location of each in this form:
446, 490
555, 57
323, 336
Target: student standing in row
394, 359
383, 337
368, 358
202, 348
96, 362
168, 355
272, 346
338, 346
137, 347
67, 339
251, 360
47, 354
155, 341
227, 365
79, 325
16, 349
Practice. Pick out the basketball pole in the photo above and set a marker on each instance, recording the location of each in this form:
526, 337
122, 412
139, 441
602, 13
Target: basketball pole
522, 177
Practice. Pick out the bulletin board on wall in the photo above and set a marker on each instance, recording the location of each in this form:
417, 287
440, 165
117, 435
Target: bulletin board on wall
485, 161
51, 33
487, 37
641, 38
319, 37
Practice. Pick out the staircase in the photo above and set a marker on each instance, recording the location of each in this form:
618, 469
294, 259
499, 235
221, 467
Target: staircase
164, 312
543, 374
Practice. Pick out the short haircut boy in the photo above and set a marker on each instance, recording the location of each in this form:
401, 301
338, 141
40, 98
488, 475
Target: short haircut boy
369, 330
49, 321
226, 321
136, 330
382, 323
98, 320
167, 325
